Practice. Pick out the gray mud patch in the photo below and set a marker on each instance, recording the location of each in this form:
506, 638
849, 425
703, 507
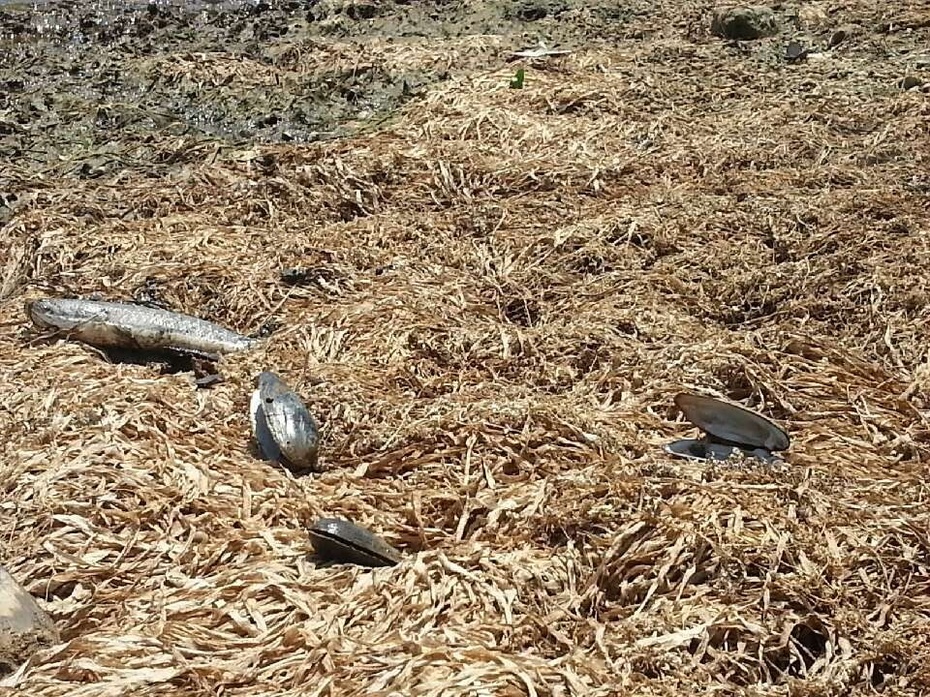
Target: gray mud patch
554, 22
89, 88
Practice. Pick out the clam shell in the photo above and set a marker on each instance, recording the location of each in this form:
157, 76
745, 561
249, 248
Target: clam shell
341, 540
701, 449
281, 424
730, 423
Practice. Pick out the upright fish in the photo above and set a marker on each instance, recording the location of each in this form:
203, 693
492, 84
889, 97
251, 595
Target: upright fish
113, 324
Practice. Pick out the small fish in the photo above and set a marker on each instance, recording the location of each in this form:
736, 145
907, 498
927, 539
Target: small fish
539, 52
112, 324
282, 425
343, 541
208, 380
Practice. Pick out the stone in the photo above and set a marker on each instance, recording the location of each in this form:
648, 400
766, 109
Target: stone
744, 23
841, 34
795, 52
812, 17
24, 626
910, 82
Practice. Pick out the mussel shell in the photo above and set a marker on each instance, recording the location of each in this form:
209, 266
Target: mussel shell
701, 449
282, 425
340, 540
732, 423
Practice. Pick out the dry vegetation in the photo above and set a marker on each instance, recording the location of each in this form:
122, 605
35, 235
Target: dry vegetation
506, 288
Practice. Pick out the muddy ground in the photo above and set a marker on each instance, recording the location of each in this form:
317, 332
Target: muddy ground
89, 88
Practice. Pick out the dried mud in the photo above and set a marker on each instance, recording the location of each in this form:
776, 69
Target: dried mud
87, 86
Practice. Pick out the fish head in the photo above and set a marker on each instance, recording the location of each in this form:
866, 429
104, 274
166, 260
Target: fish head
61, 313
40, 311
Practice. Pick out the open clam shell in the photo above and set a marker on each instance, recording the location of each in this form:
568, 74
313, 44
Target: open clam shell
282, 426
731, 424
343, 541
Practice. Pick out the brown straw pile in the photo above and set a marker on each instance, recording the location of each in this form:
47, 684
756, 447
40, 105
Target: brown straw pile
505, 288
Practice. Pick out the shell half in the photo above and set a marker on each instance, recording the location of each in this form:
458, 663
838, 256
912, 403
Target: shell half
701, 449
343, 541
266, 445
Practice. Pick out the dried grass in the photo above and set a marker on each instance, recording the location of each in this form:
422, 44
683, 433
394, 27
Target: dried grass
508, 288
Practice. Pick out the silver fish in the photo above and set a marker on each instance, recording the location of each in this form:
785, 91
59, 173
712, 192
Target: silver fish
343, 541
282, 425
112, 324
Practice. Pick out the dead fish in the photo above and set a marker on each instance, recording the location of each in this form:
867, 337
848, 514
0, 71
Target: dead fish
283, 427
208, 380
728, 428
113, 324
342, 541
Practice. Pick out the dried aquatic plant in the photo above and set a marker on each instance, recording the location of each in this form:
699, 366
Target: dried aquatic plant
511, 287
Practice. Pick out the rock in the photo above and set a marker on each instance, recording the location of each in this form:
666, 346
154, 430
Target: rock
535, 10
362, 10
795, 52
812, 17
910, 82
841, 34
744, 23
24, 626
